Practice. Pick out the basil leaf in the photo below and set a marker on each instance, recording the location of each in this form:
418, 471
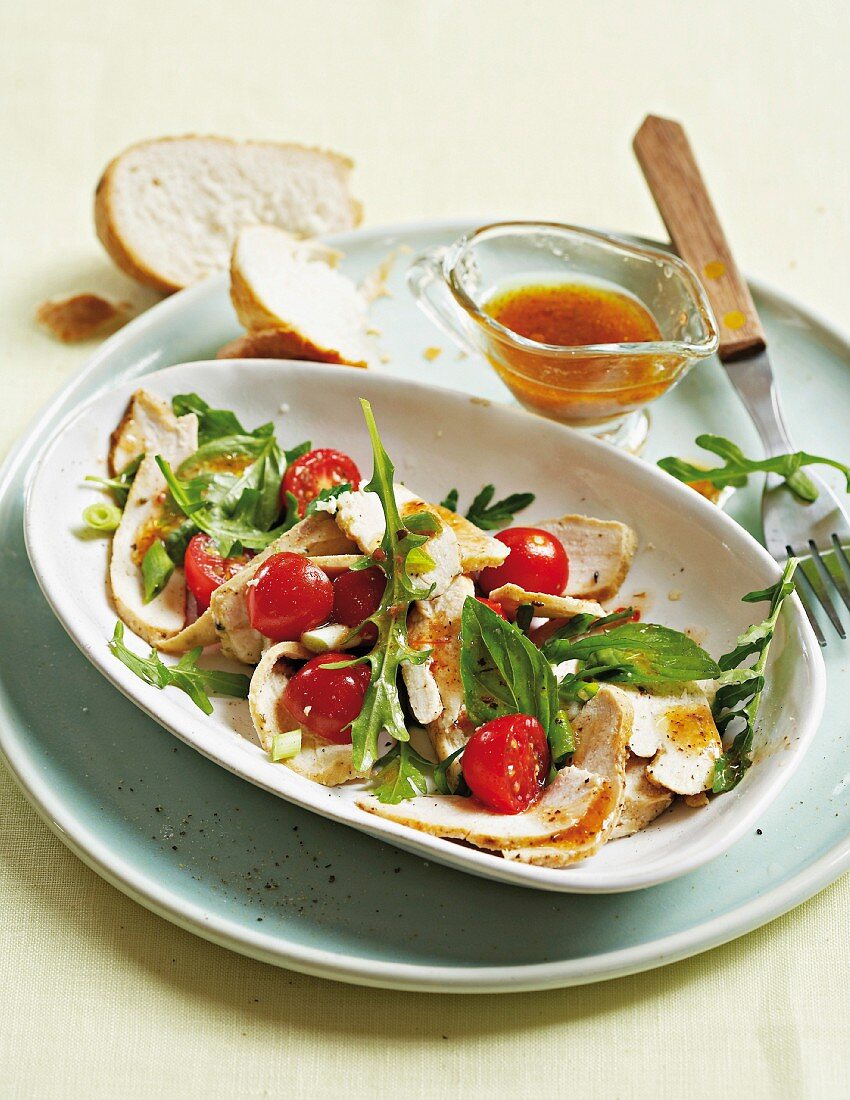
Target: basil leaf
644, 654
157, 568
504, 673
213, 423
579, 625
739, 689
737, 467
487, 516
197, 683
403, 774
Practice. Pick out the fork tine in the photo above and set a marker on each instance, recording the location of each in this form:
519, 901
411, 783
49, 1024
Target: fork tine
803, 586
843, 560
816, 583
834, 570
825, 576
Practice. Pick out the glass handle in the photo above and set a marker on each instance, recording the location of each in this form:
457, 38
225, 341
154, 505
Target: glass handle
427, 284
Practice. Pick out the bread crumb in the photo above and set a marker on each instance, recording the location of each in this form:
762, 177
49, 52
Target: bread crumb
696, 801
283, 409
674, 595
74, 317
432, 353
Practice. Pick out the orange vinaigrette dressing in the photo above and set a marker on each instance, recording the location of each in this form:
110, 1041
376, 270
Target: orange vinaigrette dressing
592, 388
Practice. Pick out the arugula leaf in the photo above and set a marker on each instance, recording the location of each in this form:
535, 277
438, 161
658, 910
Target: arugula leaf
740, 688
487, 516
401, 774
643, 654
198, 683
157, 568
441, 776
331, 493
737, 467
119, 486
381, 706
504, 673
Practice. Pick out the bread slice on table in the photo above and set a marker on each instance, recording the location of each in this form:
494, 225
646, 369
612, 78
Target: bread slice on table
168, 210
281, 284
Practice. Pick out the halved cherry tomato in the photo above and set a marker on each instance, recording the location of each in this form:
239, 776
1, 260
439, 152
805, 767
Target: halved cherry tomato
287, 596
320, 469
494, 605
325, 701
537, 562
356, 597
506, 762
206, 569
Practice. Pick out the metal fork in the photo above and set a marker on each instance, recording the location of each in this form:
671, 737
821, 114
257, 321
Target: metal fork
817, 533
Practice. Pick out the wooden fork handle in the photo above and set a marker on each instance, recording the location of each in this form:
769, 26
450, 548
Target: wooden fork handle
668, 163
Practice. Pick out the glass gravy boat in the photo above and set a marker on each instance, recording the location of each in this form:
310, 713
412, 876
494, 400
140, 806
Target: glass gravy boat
599, 387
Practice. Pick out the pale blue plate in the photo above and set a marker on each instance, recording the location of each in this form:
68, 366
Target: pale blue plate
243, 868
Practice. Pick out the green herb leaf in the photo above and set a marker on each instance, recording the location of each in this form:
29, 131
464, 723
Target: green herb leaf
285, 745
157, 568
487, 516
579, 625
450, 501
402, 775
197, 683
737, 467
441, 776
381, 706
119, 486
213, 423
423, 523
331, 493
643, 654
418, 561
504, 673
104, 518
740, 688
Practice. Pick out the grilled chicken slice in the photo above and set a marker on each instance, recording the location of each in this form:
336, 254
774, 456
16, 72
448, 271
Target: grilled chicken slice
600, 553
478, 550
563, 813
319, 760
511, 597
675, 732
360, 516
602, 732
315, 536
644, 801
149, 426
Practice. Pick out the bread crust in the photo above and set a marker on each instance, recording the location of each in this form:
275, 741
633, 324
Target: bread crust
126, 258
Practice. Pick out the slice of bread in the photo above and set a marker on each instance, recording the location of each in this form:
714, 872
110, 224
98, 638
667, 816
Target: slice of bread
168, 211
280, 283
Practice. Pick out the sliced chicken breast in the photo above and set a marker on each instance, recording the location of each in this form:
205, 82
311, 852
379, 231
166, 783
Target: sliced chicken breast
511, 597
564, 811
644, 801
478, 550
600, 553
149, 426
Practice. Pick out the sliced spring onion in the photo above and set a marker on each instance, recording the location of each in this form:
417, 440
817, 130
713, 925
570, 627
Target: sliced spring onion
157, 568
102, 517
286, 745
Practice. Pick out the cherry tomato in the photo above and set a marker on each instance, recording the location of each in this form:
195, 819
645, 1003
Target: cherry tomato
537, 562
287, 596
325, 701
206, 569
494, 605
506, 762
356, 597
321, 469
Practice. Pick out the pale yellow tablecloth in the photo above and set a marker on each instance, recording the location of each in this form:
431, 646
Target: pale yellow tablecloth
523, 108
